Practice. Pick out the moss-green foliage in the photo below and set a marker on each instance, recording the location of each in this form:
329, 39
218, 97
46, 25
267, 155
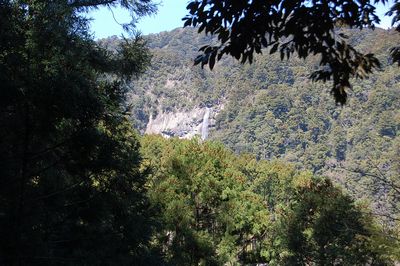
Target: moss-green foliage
272, 110
208, 214
217, 208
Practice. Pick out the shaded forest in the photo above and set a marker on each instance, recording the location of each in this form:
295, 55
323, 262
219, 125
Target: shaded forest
286, 178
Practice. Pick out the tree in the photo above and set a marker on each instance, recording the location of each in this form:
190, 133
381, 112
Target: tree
324, 227
314, 222
71, 190
291, 27
208, 214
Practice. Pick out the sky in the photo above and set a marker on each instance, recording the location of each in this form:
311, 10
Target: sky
168, 17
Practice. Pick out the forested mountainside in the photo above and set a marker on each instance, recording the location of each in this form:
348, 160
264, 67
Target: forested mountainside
79, 186
271, 109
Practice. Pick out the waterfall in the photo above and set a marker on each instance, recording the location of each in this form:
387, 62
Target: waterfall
204, 125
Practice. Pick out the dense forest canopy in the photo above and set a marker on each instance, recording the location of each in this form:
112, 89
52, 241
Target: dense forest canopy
218, 208
80, 186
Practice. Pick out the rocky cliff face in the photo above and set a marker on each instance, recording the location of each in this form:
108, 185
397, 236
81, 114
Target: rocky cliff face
184, 124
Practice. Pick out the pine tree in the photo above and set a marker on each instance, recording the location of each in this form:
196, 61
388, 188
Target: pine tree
71, 191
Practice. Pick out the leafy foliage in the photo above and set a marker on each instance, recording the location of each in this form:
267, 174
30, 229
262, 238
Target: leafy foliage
306, 28
208, 215
218, 208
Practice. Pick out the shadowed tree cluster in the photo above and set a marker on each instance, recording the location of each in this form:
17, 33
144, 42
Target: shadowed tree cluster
70, 187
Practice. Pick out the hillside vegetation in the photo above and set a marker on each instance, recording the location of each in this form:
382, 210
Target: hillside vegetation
272, 110
80, 186
217, 208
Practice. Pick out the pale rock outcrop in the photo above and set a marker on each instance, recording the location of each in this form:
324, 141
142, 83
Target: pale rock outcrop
184, 124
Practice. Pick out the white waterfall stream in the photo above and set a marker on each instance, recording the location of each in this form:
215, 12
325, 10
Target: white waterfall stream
204, 125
